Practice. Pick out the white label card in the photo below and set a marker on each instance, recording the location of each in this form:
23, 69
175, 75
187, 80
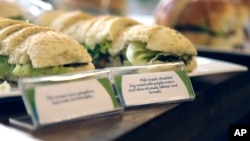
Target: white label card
147, 88
58, 102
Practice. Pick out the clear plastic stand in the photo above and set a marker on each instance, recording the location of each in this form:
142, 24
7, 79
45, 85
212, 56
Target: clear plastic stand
64, 98
152, 84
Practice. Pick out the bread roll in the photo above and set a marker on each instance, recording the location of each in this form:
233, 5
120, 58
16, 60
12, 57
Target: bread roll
154, 44
65, 20
209, 22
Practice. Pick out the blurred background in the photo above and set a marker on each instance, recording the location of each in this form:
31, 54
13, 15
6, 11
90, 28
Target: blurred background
213, 26
120, 7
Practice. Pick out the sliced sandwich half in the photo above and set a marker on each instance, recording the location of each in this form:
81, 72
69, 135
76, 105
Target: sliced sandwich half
5, 32
104, 39
149, 44
50, 53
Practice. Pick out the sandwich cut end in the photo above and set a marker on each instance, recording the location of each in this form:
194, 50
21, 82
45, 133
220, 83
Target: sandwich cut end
158, 44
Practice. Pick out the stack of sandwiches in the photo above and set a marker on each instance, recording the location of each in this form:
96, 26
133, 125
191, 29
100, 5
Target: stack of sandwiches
28, 50
118, 41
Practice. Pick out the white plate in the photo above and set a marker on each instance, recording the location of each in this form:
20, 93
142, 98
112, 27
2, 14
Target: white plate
13, 93
206, 66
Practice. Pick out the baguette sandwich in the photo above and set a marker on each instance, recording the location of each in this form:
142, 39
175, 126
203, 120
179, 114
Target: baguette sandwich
149, 44
104, 39
214, 23
37, 51
62, 55
101, 35
116, 41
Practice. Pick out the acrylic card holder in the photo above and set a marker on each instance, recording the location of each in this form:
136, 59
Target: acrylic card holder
152, 84
64, 98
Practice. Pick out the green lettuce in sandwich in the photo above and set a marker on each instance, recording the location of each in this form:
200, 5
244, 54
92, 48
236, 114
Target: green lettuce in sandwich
104, 39
150, 44
38, 51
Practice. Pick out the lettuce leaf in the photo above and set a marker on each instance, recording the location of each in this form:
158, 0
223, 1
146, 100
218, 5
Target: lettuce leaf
28, 71
100, 53
138, 54
5, 67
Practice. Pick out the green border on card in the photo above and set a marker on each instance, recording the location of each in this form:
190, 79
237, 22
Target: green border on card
186, 80
107, 85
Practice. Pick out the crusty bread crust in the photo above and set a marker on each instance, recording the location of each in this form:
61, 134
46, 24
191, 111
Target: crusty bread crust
90, 37
45, 19
13, 43
65, 20
113, 26
160, 38
165, 10
191, 65
198, 38
56, 48
7, 22
11, 29
79, 29
215, 13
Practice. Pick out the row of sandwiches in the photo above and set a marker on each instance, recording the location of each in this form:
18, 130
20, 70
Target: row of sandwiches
118, 41
76, 41
28, 50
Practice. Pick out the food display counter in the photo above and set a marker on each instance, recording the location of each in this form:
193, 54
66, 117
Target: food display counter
219, 80
222, 100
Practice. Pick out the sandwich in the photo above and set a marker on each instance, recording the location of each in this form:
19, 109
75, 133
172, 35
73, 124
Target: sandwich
216, 23
104, 39
34, 51
62, 55
151, 44
118, 41
11, 10
7, 29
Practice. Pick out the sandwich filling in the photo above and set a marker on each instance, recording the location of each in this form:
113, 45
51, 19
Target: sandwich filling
137, 54
28, 70
100, 53
102, 57
5, 67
